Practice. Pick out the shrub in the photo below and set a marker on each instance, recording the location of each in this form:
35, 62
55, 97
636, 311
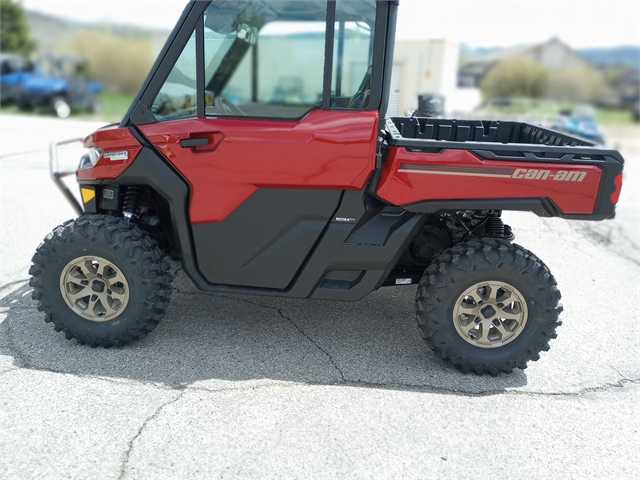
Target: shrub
575, 83
515, 77
120, 62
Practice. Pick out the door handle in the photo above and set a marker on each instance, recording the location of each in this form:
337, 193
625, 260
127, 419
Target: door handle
202, 141
193, 142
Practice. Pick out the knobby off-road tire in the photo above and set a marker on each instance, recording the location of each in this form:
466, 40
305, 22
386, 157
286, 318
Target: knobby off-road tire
488, 306
101, 280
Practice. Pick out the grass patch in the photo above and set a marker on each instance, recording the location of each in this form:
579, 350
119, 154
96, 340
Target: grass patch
113, 105
550, 109
614, 116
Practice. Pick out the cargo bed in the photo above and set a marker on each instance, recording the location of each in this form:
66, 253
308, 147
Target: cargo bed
438, 165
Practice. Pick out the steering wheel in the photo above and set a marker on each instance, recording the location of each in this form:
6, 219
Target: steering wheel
225, 107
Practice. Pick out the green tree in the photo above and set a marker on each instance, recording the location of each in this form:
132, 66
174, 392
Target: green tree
515, 77
14, 31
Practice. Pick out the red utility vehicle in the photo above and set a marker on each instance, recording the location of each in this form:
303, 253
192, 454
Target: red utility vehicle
259, 154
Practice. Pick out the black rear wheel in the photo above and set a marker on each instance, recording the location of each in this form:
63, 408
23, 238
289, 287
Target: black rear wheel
24, 103
488, 306
101, 280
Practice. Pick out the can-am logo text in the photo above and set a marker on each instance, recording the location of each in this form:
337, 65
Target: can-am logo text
560, 175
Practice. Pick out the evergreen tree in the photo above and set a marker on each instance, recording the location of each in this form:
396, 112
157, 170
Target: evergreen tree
14, 31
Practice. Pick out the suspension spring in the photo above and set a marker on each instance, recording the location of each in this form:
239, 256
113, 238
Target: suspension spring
494, 227
130, 204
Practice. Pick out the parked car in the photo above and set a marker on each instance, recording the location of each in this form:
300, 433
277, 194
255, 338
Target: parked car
580, 122
62, 84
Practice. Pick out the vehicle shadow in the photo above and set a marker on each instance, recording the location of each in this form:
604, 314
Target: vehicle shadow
214, 341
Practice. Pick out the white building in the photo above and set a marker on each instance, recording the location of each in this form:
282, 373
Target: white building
428, 66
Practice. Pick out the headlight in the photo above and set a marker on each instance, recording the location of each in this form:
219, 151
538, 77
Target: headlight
90, 159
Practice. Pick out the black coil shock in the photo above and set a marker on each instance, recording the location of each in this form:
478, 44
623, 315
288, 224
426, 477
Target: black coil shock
130, 204
494, 227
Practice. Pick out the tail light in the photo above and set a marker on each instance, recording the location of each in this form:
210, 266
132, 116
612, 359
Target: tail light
616, 193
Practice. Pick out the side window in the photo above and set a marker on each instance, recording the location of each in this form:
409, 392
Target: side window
266, 58
177, 97
270, 62
353, 54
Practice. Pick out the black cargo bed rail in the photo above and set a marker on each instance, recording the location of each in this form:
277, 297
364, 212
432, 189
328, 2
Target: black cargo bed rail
493, 139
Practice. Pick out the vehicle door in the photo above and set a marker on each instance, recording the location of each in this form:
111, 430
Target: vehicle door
267, 113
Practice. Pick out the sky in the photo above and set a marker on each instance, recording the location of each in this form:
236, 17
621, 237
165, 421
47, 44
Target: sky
478, 23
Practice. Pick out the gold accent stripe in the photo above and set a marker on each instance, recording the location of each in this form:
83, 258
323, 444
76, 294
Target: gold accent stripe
461, 174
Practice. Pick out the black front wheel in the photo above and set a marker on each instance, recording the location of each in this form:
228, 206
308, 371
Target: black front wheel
488, 306
101, 280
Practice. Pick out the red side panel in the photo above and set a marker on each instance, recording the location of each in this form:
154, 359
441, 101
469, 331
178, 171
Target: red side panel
410, 177
326, 149
119, 149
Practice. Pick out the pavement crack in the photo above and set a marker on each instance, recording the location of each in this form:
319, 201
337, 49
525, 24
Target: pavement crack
602, 388
284, 317
407, 387
418, 388
621, 375
298, 328
177, 270
127, 453
12, 347
487, 393
24, 363
317, 345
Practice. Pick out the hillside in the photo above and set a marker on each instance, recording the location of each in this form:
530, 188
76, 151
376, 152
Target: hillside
51, 32
604, 56
623, 55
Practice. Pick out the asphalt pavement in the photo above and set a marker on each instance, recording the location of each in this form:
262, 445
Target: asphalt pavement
253, 387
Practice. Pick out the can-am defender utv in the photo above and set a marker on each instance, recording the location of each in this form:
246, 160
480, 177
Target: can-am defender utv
258, 152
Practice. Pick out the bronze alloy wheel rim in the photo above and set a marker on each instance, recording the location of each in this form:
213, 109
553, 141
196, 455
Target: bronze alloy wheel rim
490, 314
94, 288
